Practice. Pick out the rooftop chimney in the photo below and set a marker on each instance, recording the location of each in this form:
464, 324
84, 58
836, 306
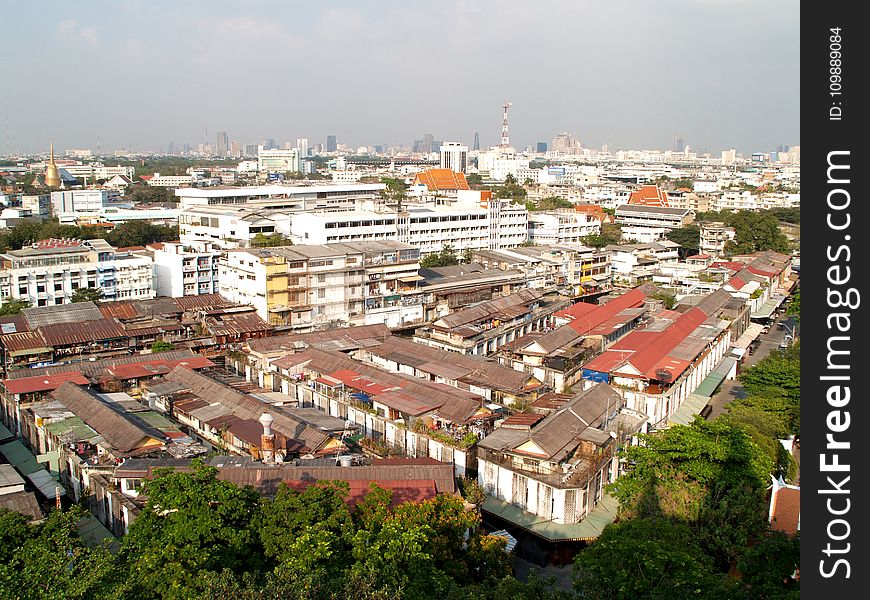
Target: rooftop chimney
267, 440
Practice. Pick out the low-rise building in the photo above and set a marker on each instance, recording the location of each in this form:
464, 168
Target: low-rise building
484, 328
309, 286
547, 474
646, 224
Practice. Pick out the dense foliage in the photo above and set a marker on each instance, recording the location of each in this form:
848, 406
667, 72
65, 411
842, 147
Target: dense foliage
200, 537
611, 233
132, 233
688, 237
446, 258
693, 508
754, 230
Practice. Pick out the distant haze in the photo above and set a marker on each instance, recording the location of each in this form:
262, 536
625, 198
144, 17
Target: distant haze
626, 73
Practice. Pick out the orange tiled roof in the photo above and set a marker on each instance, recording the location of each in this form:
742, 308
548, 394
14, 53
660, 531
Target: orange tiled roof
649, 195
442, 179
594, 210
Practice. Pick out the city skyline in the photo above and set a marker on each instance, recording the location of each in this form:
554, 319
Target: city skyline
631, 76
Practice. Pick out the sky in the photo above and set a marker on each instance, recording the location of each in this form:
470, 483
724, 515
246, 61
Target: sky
631, 74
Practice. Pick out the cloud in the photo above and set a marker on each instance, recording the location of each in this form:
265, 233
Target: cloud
69, 30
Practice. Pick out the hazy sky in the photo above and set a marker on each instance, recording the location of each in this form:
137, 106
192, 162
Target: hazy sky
627, 73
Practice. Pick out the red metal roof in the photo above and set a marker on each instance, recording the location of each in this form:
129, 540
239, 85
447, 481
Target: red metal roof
157, 367
43, 383
584, 320
736, 283
524, 419
119, 309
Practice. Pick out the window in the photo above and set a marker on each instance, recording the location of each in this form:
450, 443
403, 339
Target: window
321, 293
58, 286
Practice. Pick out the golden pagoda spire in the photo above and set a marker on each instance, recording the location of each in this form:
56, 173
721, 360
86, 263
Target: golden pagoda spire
52, 177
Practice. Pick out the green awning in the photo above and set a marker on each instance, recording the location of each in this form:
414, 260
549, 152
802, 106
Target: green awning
716, 376
588, 529
5, 434
94, 533
691, 406
20, 457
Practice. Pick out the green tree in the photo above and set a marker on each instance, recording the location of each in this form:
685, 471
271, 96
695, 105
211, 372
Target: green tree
552, 203
49, 560
191, 523
688, 237
668, 299
446, 258
611, 233
794, 307
650, 557
267, 241
676, 468
162, 346
755, 232
87, 295
13, 307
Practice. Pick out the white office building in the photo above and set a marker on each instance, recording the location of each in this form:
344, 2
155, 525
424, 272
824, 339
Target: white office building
454, 156
78, 201
158, 180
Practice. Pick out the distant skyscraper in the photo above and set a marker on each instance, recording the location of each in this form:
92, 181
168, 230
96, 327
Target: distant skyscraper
268, 144
454, 156
331, 143
223, 143
170, 148
679, 144
476, 140
541, 148
428, 144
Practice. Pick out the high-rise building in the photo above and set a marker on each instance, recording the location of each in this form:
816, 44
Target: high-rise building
729, 157
476, 140
268, 144
223, 143
679, 144
454, 156
428, 143
302, 147
331, 143
541, 147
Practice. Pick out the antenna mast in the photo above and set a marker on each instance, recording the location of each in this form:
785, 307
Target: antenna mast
505, 137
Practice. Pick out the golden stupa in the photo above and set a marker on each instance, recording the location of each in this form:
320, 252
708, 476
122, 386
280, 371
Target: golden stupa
52, 177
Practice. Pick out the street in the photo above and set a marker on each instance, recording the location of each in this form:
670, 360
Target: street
731, 388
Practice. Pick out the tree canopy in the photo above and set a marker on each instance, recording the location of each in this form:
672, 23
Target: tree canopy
87, 295
446, 258
201, 537
688, 237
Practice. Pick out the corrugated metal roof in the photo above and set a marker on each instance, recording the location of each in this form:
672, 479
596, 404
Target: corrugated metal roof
118, 429
62, 313
43, 383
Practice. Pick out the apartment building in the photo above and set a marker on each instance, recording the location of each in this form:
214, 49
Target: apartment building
230, 227
314, 286
185, 270
484, 328
50, 271
714, 236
